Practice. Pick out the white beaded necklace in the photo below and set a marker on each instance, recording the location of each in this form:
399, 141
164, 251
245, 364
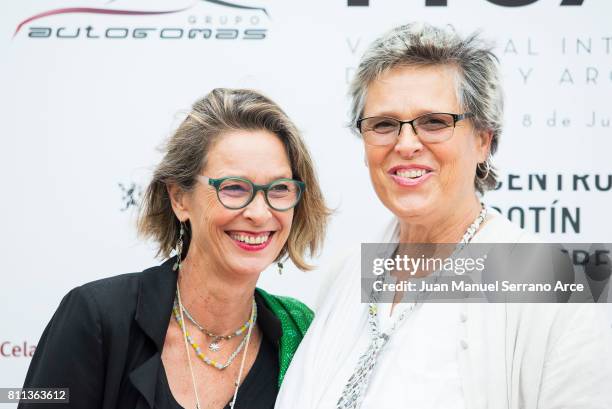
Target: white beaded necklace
355, 388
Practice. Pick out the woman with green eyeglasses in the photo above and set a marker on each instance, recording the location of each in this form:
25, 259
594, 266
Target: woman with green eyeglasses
235, 192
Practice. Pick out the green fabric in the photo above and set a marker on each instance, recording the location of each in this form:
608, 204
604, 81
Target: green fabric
295, 318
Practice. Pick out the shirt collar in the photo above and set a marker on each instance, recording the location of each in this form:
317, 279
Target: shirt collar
155, 299
269, 323
153, 311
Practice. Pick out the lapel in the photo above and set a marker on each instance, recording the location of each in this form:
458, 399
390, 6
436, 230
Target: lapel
155, 297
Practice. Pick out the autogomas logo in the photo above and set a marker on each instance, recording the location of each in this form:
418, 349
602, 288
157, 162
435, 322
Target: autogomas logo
198, 20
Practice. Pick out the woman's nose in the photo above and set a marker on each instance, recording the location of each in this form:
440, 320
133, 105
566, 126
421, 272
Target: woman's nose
408, 142
258, 210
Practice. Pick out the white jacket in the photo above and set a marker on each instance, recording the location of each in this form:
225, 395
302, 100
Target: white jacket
520, 356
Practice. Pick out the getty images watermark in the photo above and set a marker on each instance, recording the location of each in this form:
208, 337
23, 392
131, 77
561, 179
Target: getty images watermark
534, 272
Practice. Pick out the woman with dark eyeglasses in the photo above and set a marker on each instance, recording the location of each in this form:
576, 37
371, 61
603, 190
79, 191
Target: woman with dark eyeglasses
235, 192
427, 104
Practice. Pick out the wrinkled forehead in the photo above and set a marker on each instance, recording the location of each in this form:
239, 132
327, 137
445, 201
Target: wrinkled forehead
258, 155
409, 91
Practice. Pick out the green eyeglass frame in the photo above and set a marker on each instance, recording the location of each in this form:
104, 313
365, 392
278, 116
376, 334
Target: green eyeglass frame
254, 188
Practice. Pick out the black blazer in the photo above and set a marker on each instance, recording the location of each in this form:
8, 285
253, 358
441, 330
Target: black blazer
107, 337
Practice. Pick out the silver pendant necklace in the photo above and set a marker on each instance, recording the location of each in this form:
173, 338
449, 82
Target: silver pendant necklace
198, 351
355, 388
215, 344
186, 342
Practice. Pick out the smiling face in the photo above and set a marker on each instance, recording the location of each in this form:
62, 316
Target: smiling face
244, 241
413, 179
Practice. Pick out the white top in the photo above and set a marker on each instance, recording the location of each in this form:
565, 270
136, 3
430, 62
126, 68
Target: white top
467, 355
418, 367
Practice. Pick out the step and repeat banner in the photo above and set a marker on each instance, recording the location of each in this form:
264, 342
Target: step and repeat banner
90, 89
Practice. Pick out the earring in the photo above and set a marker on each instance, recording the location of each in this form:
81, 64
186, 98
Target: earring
485, 171
280, 268
178, 248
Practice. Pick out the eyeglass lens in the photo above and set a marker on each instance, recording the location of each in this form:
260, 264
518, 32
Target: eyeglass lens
280, 195
430, 128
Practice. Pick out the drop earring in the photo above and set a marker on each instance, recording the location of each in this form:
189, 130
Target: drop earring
178, 248
484, 167
280, 268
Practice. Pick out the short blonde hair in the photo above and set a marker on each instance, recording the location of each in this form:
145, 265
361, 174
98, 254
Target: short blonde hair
185, 156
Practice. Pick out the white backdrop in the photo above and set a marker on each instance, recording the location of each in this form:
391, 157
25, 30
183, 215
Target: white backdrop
79, 116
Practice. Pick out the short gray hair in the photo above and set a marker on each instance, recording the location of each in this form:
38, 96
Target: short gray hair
479, 88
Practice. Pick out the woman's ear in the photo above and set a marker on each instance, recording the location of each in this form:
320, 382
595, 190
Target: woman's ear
484, 145
178, 199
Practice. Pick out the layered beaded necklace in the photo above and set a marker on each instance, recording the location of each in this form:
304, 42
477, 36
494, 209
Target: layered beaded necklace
187, 339
354, 390
207, 360
215, 344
